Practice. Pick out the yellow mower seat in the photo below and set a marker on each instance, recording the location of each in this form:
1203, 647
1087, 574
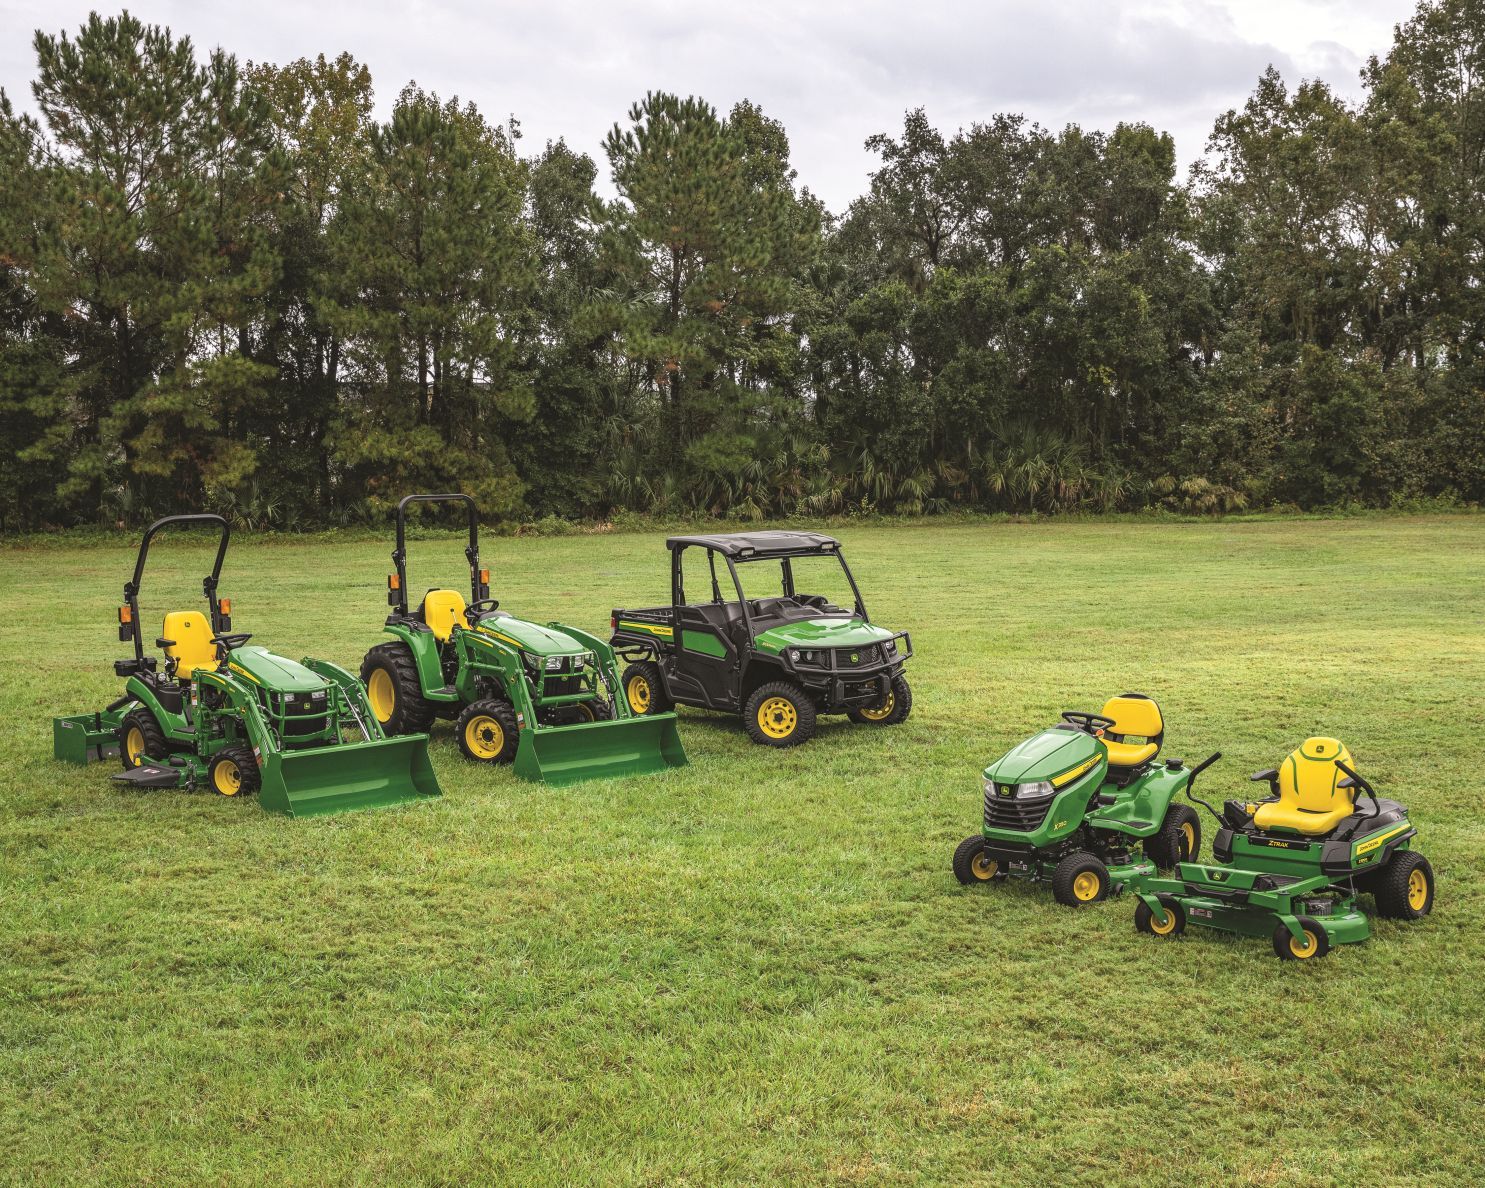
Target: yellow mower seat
192, 649
1135, 717
442, 609
1311, 799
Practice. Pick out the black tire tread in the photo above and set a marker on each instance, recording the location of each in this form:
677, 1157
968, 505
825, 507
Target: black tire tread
1068, 869
504, 713
902, 705
1163, 847
156, 745
660, 701
804, 730
1389, 886
413, 713
247, 764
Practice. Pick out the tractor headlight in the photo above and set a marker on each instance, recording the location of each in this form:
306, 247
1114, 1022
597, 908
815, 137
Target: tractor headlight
1029, 791
554, 663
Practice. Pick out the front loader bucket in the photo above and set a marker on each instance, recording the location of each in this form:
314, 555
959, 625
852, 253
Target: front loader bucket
599, 750
338, 779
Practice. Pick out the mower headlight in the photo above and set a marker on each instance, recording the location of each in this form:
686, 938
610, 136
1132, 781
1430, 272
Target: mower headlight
1029, 791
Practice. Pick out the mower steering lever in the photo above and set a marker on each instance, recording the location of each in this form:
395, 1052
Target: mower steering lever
1364, 786
1191, 779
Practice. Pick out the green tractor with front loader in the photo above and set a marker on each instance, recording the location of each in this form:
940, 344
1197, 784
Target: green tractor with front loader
1085, 806
542, 697
235, 718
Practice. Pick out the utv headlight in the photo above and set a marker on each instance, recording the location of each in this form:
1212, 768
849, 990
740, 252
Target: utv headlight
1029, 791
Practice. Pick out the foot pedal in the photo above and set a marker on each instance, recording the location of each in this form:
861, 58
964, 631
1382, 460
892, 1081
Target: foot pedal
151, 775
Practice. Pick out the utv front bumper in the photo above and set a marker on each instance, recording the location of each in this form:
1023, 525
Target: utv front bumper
846, 678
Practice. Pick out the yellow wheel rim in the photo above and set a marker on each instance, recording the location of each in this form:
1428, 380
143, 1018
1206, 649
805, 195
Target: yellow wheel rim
1188, 831
226, 778
585, 708
877, 712
1086, 886
484, 736
984, 867
638, 692
1308, 948
382, 694
1417, 889
1163, 925
134, 745
777, 717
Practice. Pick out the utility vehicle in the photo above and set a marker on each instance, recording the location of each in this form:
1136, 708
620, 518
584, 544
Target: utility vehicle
238, 719
780, 659
1290, 866
541, 697
1077, 802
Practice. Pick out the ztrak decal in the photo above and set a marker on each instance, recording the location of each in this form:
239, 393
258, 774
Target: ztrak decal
1276, 843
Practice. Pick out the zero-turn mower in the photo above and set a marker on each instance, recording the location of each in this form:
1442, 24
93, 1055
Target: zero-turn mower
1075, 803
1290, 866
542, 697
238, 719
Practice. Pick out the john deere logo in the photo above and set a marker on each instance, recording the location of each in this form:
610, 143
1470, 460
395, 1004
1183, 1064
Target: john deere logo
855, 657
1218, 876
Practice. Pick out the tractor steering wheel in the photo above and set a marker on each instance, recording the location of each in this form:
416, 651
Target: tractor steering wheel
232, 641
1088, 723
475, 609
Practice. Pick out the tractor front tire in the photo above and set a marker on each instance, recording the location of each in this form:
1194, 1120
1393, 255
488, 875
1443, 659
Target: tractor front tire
1080, 879
394, 692
1403, 888
779, 714
233, 771
1178, 839
141, 739
644, 689
895, 708
1173, 923
972, 865
487, 731
1316, 943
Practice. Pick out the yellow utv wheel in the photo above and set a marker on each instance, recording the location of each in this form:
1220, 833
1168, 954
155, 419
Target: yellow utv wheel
644, 688
1080, 879
141, 739
233, 771
779, 714
487, 731
1315, 942
892, 709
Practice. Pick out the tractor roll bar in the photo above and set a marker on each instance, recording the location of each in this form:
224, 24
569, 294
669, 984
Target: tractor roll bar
208, 583
478, 589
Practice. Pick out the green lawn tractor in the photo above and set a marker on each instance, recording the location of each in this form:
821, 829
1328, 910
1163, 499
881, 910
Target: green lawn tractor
1290, 866
542, 697
237, 719
780, 660
1085, 805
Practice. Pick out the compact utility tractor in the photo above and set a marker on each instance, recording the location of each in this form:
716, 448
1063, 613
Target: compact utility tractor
1290, 866
1074, 803
779, 660
237, 719
541, 697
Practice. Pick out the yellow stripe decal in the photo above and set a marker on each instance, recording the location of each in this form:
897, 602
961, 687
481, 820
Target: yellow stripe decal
1068, 777
244, 672
1371, 844
652, 628
515, 643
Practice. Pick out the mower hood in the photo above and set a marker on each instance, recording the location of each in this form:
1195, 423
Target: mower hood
821, 633
1045, 755
261, 667
531, 637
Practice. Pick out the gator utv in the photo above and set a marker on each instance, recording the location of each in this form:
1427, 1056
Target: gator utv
542, 697
1290, 867
1077, 803
238, 719
780, 660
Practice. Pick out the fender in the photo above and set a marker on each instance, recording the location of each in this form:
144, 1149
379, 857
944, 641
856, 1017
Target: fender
424, 649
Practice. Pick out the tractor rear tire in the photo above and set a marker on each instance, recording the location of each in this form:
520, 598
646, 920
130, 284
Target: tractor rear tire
1317, 944
1178, 840
1080, 879
1173, 924
141, 739
897, 706
779, 714
233, 771
1403, 888
394, 691
644, 689
487, 731
972, 865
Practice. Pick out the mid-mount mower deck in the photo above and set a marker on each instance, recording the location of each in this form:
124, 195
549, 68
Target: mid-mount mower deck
1073, 803
1290, 867
238, 719
542, 697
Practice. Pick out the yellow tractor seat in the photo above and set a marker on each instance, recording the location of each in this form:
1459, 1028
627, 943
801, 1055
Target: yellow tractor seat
1137, 732
192, 649
1311, 799
442, 609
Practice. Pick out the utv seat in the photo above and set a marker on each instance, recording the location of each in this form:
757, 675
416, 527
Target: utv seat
1311, 799
1137, 732
442, 610
190, 646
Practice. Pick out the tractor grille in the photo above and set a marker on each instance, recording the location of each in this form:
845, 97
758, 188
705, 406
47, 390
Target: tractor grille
1005, 812
293, 727
560, 686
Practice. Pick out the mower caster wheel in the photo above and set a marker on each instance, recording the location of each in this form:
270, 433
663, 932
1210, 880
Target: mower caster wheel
487, 731
779, 714
1403, 888
973, 865
1179, 838
141, 739
1080, 879
1173, 923
895, 708
1316, 943
644, 688
233, 771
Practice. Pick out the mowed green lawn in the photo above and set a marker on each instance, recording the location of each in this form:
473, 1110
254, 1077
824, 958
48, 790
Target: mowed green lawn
759, 968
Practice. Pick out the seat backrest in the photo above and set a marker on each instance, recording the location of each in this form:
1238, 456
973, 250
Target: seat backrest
442, 609
1135, 716
192, 649
1310, 780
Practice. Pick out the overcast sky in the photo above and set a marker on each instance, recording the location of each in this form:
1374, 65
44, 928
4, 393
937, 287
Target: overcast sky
834, 71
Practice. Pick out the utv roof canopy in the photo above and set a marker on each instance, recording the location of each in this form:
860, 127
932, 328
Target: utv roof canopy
759, 544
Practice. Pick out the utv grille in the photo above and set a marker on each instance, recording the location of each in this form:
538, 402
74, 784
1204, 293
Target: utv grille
857, 657
1006, 812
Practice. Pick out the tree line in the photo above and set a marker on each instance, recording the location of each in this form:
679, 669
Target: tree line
228, 285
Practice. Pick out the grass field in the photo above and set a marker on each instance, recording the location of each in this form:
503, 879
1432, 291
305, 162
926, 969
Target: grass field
757, 969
